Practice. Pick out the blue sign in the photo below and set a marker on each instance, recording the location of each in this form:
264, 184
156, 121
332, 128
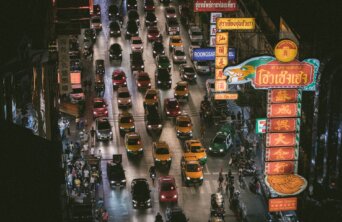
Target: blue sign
231, 54
203, 54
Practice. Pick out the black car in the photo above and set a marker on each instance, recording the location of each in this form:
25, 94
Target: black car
163, 78
158, 48
153, 120
166, 2
172, 26
149, 5
99, 88
132, 4
99, 67
114, 29
90, 34
133, 15
140, 190
137, 62
116, 174
175, 215
132, 29
150, 19
97, 10
113, 12
187, 72
115, 52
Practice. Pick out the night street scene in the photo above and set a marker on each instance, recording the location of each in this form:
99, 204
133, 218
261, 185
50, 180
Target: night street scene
171, 111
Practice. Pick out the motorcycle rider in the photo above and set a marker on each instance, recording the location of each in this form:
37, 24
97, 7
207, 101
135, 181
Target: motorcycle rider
159, 218
205, 105
153, 173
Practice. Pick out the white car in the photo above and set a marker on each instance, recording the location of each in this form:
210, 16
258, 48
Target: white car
170, 12
202, 67
124, 97
195, 34
96, 23
210, 86
193, 45
137, 44
76, 94
178, 55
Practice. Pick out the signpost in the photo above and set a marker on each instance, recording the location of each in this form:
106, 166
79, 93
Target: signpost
235, 23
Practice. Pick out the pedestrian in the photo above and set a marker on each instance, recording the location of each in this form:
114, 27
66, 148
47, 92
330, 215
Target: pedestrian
86, 173
77, 120
202, 131
92, 151
92, 182
99, 154
92, 134
105, 216
81, 124
220, 179
239, 116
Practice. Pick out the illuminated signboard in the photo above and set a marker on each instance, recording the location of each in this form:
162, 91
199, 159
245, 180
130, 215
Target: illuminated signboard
282, 204
285, 50
203, 54
221, 38
226, 96
221, 50
215, 5
75, 77
283, 110
221, 61
260, 126
283, 125
219, 74
280, 153
279, 167
281, 139
235, 23
283, 96
213, 29
214, 16
220, 85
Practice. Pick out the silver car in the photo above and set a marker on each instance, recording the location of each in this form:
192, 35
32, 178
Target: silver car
178, 55
137, 44
124, 98
195, 34
202, 67
103, 129
96, 23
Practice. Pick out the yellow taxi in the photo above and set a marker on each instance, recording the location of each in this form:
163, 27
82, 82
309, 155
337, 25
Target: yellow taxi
184, 127
161, 154
126, 123
192, 172
133, 144
175, 41
151, 97
195, 148
182, 90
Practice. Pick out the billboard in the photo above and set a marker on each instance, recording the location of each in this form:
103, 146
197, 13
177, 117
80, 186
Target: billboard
283, 110
215, 6
279, 167
277, 125
281, 139
221, 61
231, 54
283, 96
220, 85
219, 74
235, 23
203, 54
214, 16
226, 96
212, 29
280, 153
282, 204
221, 38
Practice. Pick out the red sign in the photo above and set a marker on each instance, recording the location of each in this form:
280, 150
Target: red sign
283, 96
280, 153
215, 5
276, 74
283, 110
281, 139
282, 204
280, 167
282, 125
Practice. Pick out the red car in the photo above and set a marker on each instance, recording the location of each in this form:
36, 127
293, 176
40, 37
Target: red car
143, 80
99, 108
119, 78
167, 189
149, 5
171, 107
153, 33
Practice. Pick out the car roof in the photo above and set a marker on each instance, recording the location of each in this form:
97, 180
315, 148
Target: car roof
141, 180
98, 99
103, 119
161, 144
183, 118
151, 91
123, 89
135, 38
175, 37
167, 179
125, 114
182, 83
133, 135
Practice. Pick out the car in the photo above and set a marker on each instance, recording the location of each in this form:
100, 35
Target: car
175, 214
133, 15
171, 107
99, 67
87, 48
96, 23
149, 5
113, 12
103, 129
115, 52
153, 120
119, 78
166, 2
115, 172
151, 97
150, 19
96, 10
167, 189
195, 34
74, 47
126, 123
137, 62
193, 45
137, 44
76, 94
161, 154
182, 91
133, 144
195, 148
90, 34
202, 67
210, 86
158, 49
132, 29
99, 108
163, 62
178, 55
170, 12
172, 26
187, 72
163, 78
222, 141
141, 196
132, 4
191, 171
114, 29
142, 80
99, 85
184, 127
153, 33
124, 98
175, 41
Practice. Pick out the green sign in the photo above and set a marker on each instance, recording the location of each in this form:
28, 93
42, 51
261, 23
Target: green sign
260, 126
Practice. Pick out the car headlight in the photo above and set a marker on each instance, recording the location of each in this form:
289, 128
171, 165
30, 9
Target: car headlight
160, 126
128, 32
149, 84
122, 127
163, 51
141, 149
178, 131
179, 112
195, 76
169, 66
111, 181
99, 134
132, 127
154, 51
95, 113
119, 100
129, 100
120, 54
149, 126
134, 201
123, 181
110, 55
159, 81
176, 94
159, 66
170, 81
188, 178
110, 14
139, 84
167, 112
186, 94
110, 133
221, 150
157, 159
169, 159
201, 177
210, 148
175, 196
148, 201
162, 196
142, 66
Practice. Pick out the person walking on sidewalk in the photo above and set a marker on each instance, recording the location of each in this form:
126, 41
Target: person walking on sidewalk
202, 131
105, 216
92, 134
220, 179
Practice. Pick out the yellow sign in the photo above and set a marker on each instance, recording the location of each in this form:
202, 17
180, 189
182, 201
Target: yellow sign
286, 50
219, 74
221, 62
220, 85
221, 50
221, 38
225, 96
235, 23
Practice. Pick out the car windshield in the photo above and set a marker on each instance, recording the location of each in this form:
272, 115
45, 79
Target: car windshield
173, 22
153, 31
134, 141
193, 167
114, 25
141, 188
116, 169
202, 63
171, 10
163, 59
173, 104
176, 40
99, 105
123, 95
179, 53
150, 17
103, 125
153, 119
158, 46
196, 149
167, 186
162, 150
126, 120
184, 123
180, 87
196, 33
77, 90
189, 69
220, 139
151, 96
118, 77
96, 20
143, 78
136, 41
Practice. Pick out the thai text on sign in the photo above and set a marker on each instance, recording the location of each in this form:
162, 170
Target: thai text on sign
226, 96
215, 5
235, 23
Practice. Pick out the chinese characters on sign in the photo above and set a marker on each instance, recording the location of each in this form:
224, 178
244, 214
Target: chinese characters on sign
283, 110
283, 96
222, 38
286, 50
283, 124
219, 74
281, 139
279, 167
280, 153
64, 64
221, 50
220, 85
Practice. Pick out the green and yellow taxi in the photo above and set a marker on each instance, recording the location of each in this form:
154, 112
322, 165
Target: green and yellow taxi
192, 173
133, 144
151, 97
126, 123
182, 90
161, 154
195, 148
